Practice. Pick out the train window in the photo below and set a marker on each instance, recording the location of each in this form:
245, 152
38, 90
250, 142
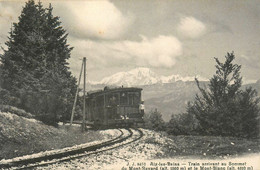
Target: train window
123, 98
134, 98
113, 99
100, 101
93, 103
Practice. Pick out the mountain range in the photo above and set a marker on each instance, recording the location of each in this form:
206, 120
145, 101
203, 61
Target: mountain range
142, 76
168, 94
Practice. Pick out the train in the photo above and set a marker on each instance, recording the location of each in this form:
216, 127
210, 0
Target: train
114, 107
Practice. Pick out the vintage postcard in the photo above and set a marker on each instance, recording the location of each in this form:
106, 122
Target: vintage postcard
130, 85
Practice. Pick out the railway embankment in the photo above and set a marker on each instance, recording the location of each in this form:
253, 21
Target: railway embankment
23, 136
157, 147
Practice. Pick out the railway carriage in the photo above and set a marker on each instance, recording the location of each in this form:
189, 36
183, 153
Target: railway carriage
114, 107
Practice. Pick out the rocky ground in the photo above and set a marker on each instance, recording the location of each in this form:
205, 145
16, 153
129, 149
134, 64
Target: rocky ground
139, 150
155, 150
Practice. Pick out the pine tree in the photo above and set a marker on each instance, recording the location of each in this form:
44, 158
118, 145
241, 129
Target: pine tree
224, 109
58, 78
21, 62
35, 68
18, 61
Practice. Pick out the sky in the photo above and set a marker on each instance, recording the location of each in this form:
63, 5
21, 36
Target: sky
168, 36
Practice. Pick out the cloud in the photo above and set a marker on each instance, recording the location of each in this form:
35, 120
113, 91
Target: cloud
156, 52
249, 61
7, 16
191, 27
160, 52
93, 19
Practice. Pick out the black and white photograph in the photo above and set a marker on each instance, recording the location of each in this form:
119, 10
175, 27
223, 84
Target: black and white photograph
130, 84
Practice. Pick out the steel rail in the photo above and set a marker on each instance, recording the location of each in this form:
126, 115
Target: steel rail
96, 152
59, 155
73, 154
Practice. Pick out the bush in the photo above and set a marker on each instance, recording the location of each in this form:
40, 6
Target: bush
48, 120
154, 121
15, 110
6, 98
182, 124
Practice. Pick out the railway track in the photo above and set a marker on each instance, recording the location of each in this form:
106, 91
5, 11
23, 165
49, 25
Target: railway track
126, 136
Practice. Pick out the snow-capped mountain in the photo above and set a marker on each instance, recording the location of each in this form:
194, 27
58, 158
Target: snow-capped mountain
177, 77
142, 76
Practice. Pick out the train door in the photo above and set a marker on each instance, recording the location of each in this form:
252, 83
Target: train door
123, 103
133, 102
113, 102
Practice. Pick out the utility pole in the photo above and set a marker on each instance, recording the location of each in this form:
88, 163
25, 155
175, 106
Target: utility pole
84, 96
76, 96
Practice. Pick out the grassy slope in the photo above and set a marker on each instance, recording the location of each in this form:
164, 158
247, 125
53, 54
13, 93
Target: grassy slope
207, 146
21, 136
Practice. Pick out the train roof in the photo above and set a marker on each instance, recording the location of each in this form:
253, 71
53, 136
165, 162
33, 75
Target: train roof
114, 89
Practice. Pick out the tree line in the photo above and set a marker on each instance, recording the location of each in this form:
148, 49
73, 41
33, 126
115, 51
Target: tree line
221, 108
34, 69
